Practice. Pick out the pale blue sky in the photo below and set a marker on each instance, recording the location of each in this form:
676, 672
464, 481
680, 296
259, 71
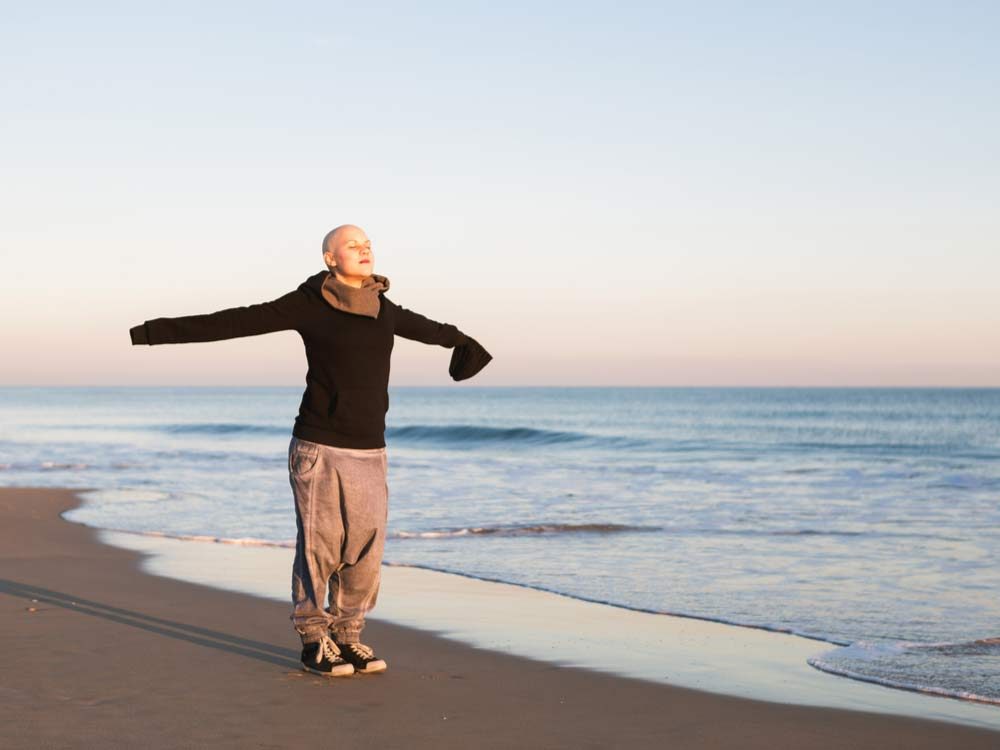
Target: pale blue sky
689, 193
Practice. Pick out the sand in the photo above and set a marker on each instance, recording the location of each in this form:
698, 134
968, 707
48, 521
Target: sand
98, 653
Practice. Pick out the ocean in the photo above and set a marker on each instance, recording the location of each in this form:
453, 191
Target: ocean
867, 518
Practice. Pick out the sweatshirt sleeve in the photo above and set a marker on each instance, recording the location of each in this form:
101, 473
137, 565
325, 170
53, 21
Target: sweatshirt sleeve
468, 356
284, 313
467, 359
411, 325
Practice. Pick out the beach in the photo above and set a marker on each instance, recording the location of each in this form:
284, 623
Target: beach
624, 370
861, 522
99, 653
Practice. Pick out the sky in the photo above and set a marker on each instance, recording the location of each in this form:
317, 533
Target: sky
648, 194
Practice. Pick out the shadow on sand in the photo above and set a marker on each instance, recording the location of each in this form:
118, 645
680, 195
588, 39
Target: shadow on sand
265, 652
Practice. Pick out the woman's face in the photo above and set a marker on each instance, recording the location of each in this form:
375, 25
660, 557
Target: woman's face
350, 250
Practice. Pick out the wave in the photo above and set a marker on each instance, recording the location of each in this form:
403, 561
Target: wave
461, 434
178, 428
611, 528
466, 433
555, 528
238, 541
535, 529
472, 435
978, 647
524, 530
30, 466
869, 651
746, 449
220, 428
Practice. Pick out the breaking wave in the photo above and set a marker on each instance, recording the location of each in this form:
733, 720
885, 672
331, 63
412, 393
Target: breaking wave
524, 530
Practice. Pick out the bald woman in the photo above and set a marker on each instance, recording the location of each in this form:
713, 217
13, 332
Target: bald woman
337, 462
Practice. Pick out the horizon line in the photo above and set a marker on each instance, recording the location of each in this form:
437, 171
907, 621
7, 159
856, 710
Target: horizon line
606, 385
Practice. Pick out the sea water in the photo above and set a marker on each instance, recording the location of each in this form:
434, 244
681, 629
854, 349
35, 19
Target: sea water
868, 518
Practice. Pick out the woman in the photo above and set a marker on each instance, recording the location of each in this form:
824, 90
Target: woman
336, 458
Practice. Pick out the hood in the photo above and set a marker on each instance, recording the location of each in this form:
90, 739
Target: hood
363, 300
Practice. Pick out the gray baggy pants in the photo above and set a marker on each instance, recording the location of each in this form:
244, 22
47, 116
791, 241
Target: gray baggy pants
341, 508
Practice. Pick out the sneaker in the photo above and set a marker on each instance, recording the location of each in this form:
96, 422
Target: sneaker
361, 657
322, 657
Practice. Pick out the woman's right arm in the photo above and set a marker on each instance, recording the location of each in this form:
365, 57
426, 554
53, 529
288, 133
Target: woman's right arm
284, 313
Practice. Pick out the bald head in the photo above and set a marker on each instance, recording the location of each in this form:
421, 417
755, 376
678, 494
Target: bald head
348, 249
337, 233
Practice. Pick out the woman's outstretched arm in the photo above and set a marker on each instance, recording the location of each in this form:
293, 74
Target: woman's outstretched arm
284, 313
468, 357
411, 325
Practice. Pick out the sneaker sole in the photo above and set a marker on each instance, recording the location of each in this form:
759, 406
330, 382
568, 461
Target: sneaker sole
337, 672
375, 666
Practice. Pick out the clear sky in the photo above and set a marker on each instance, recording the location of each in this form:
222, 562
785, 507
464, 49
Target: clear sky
601, 193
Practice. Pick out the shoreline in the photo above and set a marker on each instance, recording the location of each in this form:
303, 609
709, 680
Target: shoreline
698, 653
121, 651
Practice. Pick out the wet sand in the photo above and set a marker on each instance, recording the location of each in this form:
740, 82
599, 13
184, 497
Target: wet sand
98, 653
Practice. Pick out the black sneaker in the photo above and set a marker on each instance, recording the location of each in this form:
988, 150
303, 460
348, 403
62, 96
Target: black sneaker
361, 657
322, 657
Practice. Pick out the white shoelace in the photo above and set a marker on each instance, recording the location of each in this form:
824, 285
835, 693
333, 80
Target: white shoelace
360, 648
328, 649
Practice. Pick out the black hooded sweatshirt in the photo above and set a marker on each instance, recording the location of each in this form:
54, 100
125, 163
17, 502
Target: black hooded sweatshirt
347, 383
